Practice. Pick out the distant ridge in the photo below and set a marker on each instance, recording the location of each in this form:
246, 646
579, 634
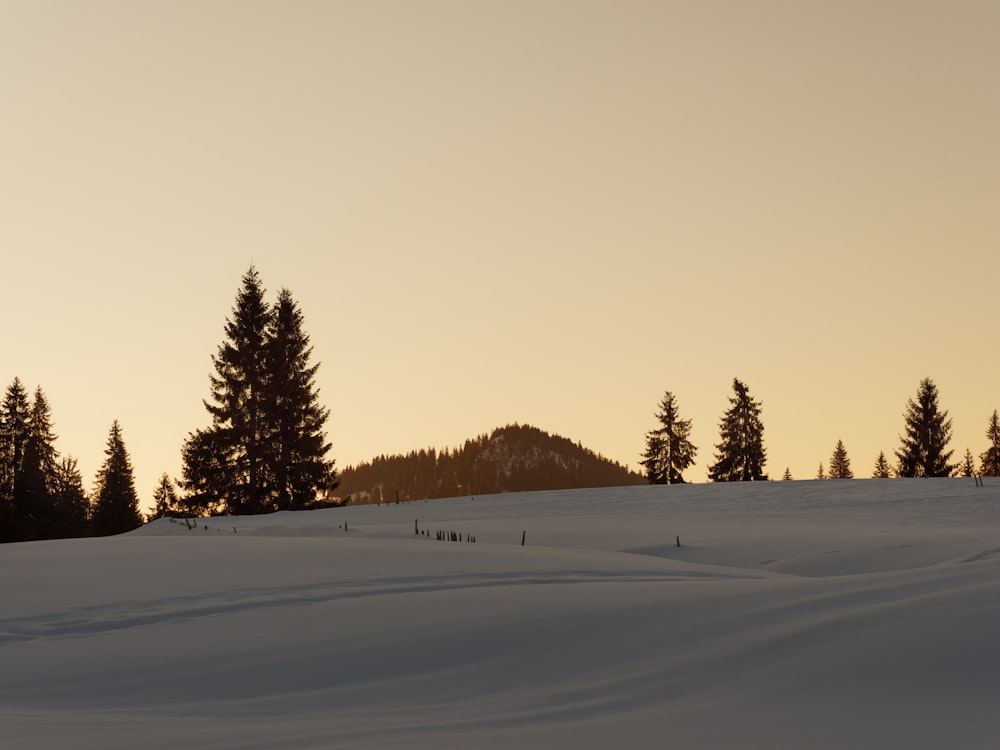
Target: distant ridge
515, 458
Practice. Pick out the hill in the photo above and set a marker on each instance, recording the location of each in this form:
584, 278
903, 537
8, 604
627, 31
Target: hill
515, 458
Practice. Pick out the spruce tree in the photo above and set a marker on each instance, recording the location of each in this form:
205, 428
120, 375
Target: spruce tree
669, 451
296, 463
967, 468
224, 465
14, 420
35, 479
165, 501
116, 506
787, 476
928, 430
14, 425
882, 468
989, 461
740, 456
840, 464
821, 472
71, 503
266, 447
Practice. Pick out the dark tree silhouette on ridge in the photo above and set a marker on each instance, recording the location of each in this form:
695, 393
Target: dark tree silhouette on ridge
265, 449
927, 432
116, 506
989, 465
840, 464
669, 450
740, 456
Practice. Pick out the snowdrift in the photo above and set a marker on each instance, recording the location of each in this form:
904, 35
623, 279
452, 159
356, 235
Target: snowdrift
822, 614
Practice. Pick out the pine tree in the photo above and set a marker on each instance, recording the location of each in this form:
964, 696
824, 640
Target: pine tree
787, 475
35, 479
14, 419
265, 449
116, 507
669, 451
967, 468
740, 456
14, 426
165, 501
928, 431
821, 472
882, 468
989, 465
840, 464
71, 502
224, 464
297, 469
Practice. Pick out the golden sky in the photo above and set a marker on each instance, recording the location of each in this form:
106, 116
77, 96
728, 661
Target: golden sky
547, 212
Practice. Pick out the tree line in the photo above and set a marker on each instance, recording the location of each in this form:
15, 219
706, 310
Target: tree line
42, 494
740, 454
264, 450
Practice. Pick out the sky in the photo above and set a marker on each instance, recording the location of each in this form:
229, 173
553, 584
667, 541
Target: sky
546, 212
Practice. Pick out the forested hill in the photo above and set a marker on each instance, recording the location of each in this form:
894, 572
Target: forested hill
515, 458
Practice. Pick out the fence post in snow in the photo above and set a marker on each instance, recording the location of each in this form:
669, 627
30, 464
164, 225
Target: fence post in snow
678, 541
523, 535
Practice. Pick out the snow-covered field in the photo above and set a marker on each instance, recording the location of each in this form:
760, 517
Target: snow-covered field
814, 614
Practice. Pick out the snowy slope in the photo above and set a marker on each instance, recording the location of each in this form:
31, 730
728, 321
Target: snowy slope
862, 614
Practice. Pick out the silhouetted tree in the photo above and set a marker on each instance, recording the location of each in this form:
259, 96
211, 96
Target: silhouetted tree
821, 472
165, 502
840, 464
265, 449
295, 454
740, 456
116, 507
13, 436
14, 425
223, 466
882, 468
669, 450
928, 431
71, 503
35, 478
989, 465
967, 467
787, 476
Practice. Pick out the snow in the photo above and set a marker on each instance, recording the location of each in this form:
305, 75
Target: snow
816, 614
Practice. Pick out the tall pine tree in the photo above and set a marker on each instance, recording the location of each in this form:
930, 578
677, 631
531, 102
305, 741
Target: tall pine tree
989, 461
296, 452
265, 449
116, 506
34, 481
840, 464
928, 430
224, 465
14, 426
740, 456
669, 450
